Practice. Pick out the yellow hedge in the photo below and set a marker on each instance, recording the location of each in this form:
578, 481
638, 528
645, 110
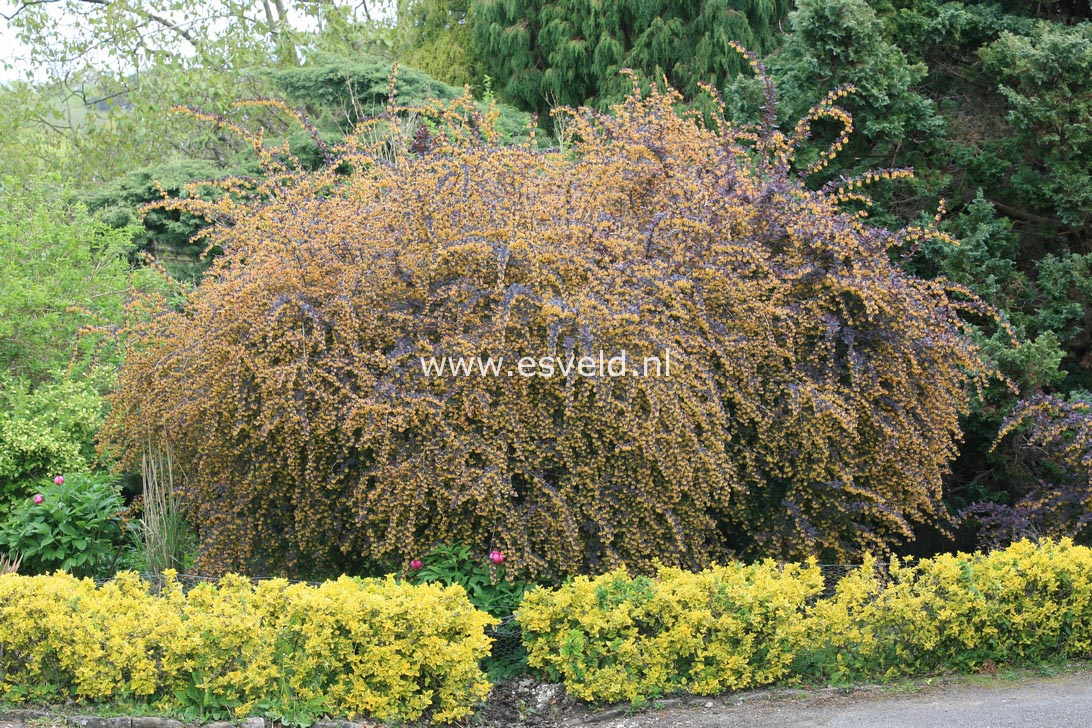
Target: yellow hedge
1027, 603
618, 637
349, 647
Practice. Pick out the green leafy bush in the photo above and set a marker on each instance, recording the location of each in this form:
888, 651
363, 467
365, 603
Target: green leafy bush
487, 586
837, 42
64, 284
74, 525
547, 53
45, 430
60, 270
292, 652
1046, 79
618, 637
1029, 602
339, 94
168, 235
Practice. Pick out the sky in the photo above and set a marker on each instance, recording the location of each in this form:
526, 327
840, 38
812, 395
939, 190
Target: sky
14, 63
10, 47
13, 53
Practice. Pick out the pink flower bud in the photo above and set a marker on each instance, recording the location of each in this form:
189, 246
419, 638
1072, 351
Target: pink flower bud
416, 564
496, 557
59, 480
38, 498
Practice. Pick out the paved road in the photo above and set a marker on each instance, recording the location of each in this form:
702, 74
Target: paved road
1057, 702
1064, 701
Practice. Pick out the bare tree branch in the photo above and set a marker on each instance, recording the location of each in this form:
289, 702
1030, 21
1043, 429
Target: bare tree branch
269, 17
24, 6
145, 14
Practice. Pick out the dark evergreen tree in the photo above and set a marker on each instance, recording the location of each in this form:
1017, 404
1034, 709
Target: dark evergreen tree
335, 93
543, 53
837, 42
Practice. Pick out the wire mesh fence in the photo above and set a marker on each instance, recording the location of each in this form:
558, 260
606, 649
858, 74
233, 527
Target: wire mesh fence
188, 581
507, 657
832, 574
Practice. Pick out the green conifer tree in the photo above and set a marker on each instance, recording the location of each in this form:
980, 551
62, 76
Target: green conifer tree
569, 52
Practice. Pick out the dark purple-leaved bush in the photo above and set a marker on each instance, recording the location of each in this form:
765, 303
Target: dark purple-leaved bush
815, 390
1051, 438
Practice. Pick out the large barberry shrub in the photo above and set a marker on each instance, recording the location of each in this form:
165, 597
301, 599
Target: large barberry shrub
814, 390
1051, 439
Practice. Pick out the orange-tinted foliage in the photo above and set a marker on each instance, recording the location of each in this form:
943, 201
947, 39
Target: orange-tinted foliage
812, 405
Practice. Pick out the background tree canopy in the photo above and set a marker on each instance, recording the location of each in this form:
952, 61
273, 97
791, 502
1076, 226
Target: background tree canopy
988, 102
545, 54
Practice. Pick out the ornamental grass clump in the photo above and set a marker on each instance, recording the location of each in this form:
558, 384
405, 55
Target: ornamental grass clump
814, 392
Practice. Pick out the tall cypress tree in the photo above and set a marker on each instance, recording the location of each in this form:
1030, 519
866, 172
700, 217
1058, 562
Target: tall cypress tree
542, 53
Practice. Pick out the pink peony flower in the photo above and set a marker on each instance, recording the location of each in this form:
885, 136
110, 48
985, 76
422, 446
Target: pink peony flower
59, 480
38, 498
416, 564
496, 557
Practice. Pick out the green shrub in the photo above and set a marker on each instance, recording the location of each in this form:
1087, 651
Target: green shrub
486, 585
490, 587
74, 526
338, 94
1044, 77
170, 236
44, 431
617, 637
60, 270
1027, 603
292, 652
547, 53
